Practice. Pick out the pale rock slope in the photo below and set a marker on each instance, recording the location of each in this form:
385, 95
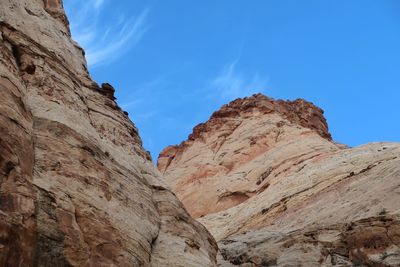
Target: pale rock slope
266, 179
76, 186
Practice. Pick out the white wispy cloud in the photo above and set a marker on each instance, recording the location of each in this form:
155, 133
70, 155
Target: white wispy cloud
231, 84
98, 3
104, 42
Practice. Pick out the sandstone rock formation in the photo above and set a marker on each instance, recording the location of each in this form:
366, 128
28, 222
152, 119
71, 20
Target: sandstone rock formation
76, 186
265, 177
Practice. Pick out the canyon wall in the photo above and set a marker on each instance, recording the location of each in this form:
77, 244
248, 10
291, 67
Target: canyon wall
262, 175
266, 179
76, 186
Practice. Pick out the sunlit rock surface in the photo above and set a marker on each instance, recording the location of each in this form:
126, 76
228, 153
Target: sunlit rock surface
76, 186
265, 177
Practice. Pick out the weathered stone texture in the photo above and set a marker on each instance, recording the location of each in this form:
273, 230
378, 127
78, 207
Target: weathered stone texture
76, 186
272, 187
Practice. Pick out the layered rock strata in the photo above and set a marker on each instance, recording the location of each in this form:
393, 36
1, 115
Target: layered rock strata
265, 177
76, 186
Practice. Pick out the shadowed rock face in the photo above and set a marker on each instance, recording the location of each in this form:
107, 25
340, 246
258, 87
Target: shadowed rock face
266, 179
76, 186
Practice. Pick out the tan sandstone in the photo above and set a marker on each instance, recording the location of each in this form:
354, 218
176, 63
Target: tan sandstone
266, 179
76, 186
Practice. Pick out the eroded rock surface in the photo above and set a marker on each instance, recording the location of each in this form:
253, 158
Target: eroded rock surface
76, 186
265, 177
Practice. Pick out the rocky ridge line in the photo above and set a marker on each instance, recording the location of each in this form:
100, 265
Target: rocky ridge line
299, 112
76, 186
267, 180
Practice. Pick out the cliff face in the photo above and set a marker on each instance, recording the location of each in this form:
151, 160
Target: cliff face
76, 186
225, 156
266, 179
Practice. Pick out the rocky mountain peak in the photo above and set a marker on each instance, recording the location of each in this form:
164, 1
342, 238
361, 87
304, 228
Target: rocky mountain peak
267, 180
298, 111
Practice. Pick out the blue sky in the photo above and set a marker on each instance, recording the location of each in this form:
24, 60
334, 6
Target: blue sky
175, 62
